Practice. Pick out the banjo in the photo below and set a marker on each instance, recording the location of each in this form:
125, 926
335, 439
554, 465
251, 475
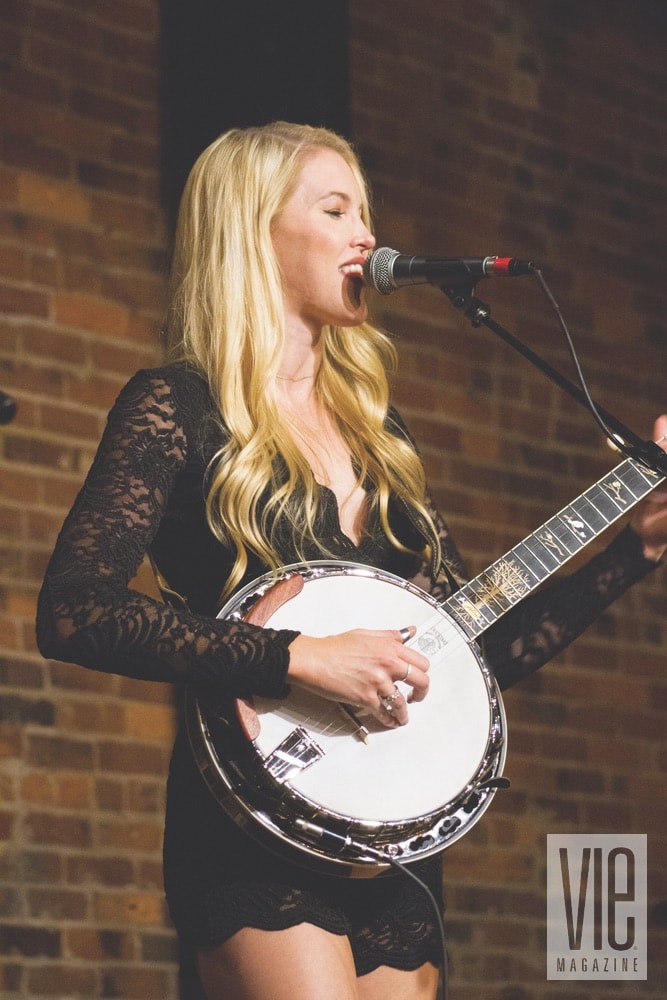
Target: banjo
347, 796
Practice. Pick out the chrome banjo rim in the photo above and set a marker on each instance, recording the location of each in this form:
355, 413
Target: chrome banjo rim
287, 820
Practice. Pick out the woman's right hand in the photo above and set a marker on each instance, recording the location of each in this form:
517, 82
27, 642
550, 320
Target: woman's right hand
361, 668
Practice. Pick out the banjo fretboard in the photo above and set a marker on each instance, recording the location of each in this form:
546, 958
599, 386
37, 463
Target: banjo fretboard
479, 603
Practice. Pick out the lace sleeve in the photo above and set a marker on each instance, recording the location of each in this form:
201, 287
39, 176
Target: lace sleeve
88, 615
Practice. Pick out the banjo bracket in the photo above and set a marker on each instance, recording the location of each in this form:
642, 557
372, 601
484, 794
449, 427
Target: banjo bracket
296, 752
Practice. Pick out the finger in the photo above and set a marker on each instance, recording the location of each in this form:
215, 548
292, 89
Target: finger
414, 666
660, 431
393, 707
419, 690
658, 497
410, 654
416, 680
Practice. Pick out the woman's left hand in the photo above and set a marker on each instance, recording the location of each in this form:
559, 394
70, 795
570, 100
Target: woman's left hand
650, 518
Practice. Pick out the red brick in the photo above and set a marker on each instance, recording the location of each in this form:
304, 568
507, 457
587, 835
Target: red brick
57, 905
72, 677
63, 979
131, 757
100, 871
23, 301
131, 908
50, 828
94, 314
30, 941
109, 795
141, 981
98, 945
130, 836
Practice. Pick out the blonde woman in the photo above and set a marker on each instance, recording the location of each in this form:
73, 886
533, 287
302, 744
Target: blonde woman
268, 438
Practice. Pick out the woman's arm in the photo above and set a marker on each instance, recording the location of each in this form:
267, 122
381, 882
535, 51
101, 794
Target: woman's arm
88, 615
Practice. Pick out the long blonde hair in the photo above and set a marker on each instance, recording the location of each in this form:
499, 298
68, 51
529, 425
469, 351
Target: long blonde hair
226, 317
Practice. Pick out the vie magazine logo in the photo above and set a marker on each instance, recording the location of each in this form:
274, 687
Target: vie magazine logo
596, 906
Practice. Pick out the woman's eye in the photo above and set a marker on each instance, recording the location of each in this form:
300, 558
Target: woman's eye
335, 212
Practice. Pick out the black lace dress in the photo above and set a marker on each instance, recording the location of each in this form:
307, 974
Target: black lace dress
144, 493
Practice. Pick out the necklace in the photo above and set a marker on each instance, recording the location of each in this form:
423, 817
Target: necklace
286, 378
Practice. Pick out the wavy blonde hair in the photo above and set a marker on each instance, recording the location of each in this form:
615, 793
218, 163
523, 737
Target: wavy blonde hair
226, 317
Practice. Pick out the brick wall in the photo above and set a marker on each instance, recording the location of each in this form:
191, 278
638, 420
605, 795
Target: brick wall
81, 284
528, 128
537, 130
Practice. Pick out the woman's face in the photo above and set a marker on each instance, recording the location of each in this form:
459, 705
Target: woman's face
321, 243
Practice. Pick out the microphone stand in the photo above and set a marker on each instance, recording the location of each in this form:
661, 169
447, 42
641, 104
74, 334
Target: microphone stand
648, 453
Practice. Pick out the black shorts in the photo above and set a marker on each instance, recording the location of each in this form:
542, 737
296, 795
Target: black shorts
218, 880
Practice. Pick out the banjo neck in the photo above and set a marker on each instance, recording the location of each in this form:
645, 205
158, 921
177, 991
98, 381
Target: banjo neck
483, 600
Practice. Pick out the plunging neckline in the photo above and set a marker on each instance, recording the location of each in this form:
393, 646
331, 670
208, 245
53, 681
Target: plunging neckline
333, 504
334, 469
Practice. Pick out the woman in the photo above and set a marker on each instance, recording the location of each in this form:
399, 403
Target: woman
269, 439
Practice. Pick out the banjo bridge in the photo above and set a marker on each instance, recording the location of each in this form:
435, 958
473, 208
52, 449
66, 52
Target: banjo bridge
296, 752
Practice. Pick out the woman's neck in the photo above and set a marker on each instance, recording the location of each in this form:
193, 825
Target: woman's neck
302, 353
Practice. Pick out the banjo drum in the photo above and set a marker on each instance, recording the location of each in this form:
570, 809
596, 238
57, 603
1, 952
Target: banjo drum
330, 790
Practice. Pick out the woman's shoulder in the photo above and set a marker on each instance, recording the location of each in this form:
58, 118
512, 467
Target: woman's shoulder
177, 386
171, 399
174, 375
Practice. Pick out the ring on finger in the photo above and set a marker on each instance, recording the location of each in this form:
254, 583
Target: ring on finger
387, 700
407, 673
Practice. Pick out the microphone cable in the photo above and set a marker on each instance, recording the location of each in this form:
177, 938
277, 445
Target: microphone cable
405, 870
615, 440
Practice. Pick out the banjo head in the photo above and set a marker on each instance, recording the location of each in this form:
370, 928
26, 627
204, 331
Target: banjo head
295, 772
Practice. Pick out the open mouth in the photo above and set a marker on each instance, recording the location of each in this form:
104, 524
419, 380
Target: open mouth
353, 269
355, 272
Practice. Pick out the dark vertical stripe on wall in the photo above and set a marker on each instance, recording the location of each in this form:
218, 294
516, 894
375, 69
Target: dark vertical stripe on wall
241, 63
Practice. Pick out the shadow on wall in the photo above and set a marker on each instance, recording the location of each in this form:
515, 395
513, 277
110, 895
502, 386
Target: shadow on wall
263, 62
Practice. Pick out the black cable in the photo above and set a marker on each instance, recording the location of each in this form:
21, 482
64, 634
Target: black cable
404, 870
625, 440
614, 439
339, 842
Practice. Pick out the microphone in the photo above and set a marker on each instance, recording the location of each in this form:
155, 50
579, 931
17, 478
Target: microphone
7, 408
386, 270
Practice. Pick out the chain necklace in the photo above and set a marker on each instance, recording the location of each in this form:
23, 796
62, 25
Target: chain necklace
286, 378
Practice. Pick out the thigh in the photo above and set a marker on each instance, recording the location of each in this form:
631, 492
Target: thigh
382, 983
300, 963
